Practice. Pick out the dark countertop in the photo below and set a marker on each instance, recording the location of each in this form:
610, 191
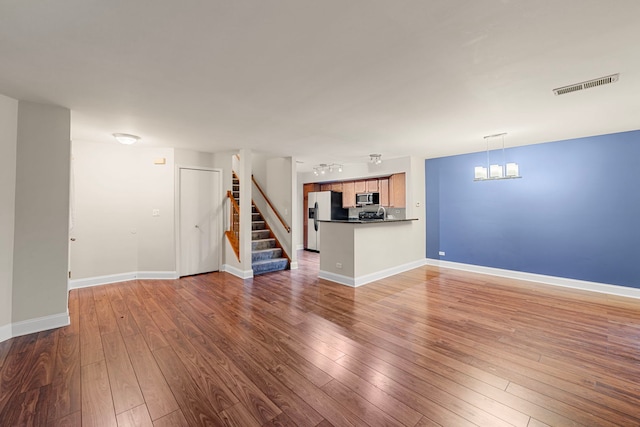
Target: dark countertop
367, 221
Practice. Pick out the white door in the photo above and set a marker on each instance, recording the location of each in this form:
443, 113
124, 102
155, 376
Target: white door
200, 220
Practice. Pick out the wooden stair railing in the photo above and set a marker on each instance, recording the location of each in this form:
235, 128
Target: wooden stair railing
233, 234
282, 221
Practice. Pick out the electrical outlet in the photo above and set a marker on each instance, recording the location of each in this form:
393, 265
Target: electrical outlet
441, 253
338, 265
155, 212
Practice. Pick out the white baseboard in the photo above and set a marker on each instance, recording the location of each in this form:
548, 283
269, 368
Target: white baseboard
337, 278
5, 332
159, 275
40, 324
300, 247
120, 277
603, 288
243, 274
100, 280
293, 265
372, 277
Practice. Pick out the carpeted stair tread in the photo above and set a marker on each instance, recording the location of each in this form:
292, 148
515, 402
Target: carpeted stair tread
260, 234
265, 254
263, 244
266, 257
258, 225
269, 265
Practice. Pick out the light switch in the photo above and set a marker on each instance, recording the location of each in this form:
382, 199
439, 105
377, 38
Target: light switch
155, 212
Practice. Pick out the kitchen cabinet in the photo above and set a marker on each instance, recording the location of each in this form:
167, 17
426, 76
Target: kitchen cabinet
397, 190
349, 194
383, 189
392, 190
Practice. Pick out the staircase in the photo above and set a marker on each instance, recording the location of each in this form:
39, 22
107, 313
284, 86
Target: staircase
266, 256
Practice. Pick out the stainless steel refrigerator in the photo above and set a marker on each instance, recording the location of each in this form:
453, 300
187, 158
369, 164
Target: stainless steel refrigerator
323, 205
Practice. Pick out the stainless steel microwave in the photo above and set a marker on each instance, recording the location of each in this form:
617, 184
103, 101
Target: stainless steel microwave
363, 199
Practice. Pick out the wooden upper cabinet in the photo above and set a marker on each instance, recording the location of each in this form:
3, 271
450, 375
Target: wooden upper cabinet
397, 190
348, 194
383, 189
392, 190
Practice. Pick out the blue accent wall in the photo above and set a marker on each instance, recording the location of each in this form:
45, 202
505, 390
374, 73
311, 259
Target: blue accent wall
575, 212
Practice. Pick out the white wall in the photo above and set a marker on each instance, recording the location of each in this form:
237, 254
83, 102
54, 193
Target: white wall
416, 199
105, 226
155, 190
278, 185
41, 238
8, 140
117, 188
193, 158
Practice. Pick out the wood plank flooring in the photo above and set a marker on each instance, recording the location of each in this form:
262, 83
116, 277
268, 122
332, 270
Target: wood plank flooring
430, 347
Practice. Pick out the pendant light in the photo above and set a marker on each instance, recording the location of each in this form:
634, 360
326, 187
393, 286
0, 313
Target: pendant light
496, 171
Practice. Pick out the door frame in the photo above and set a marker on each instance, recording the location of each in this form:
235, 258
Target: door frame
220, 222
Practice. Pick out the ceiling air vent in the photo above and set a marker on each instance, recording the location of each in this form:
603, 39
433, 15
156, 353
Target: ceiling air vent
587, 85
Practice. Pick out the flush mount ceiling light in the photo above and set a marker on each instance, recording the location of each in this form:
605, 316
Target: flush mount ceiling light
323, 168
375, 159
125, 138
496, 171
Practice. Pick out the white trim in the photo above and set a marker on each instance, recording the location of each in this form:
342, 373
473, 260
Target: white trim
337, 278
40, 324
243, 274
159, 275
300, 247
121, 277
372, 277
5, 332
603, 288
101, 280
293, 265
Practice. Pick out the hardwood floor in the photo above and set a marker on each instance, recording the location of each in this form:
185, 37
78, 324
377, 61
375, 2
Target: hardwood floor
425, 348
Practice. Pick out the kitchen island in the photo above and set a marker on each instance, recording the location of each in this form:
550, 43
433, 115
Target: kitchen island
356, 252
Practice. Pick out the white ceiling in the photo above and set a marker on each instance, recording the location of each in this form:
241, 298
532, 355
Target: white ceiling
330, 80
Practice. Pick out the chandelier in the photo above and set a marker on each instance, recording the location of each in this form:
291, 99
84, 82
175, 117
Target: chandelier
496, 171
